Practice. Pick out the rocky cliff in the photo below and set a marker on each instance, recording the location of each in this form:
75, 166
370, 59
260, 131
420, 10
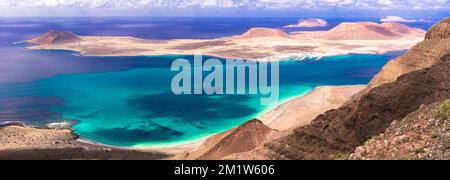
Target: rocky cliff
421, 135
338, 132
419, 78
424, 54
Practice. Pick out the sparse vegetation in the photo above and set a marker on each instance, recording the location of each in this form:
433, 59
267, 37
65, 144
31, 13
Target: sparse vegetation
342, 156
410, 158
419, 150
444, 110
447, 146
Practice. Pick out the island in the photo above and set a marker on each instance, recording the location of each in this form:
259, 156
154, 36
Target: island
260, 44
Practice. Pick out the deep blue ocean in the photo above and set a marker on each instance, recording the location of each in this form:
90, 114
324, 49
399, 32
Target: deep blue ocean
127, 101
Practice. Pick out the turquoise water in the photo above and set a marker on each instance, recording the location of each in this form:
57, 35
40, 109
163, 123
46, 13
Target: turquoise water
136, 108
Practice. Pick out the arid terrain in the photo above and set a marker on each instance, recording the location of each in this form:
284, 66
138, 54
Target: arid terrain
19, 142
255, 44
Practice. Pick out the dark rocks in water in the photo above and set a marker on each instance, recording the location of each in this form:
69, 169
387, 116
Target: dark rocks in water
56, 37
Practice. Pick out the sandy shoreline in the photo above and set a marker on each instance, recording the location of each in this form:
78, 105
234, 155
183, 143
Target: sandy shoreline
295, 112
300, 111
261, 44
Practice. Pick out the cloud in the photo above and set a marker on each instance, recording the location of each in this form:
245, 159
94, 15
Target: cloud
309, 23
400, 19
198, 5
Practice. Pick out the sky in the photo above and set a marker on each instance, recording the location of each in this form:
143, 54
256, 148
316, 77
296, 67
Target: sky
378, 8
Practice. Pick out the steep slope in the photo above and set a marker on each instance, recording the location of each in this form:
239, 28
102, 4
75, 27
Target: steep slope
241, 139
421, 135
56, 37
424, 54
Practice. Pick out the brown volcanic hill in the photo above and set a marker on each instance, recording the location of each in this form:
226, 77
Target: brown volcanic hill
425, 54
337, 133
372, 31
241, 139
263, 32
56, 37
402, 29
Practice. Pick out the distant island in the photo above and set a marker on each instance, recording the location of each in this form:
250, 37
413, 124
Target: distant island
309, 23
255, 44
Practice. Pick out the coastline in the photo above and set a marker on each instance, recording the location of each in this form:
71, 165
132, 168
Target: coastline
302, 106
260, 44
319, 48
299, 111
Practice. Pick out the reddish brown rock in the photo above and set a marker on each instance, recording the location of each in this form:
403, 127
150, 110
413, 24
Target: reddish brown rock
56, 37
241, 139
372, 31
263, 32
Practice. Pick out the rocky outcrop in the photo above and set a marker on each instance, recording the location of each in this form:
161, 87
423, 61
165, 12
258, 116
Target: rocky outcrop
424, 54
26, 143
422, 135
439, 31
372, 31
56, 37
241, 139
